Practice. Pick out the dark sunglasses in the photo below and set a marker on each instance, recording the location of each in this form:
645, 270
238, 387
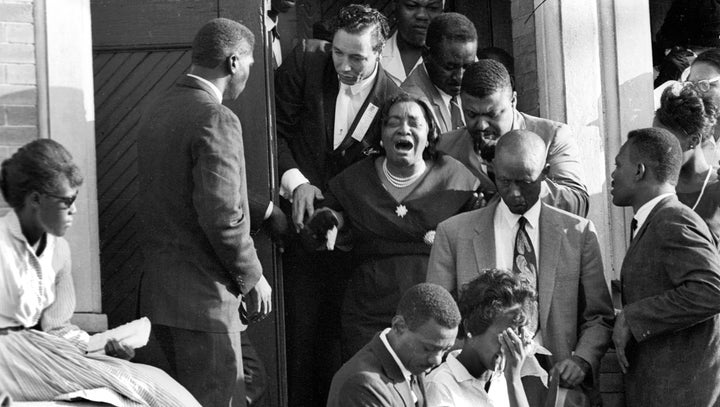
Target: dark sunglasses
68, 201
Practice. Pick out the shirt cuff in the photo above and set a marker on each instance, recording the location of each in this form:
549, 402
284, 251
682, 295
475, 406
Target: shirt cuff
269, 210
290, 180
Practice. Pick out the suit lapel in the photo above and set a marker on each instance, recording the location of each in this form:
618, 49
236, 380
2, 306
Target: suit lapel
645, 224
331, 87
549, 246
441, 111
376, 99
484, 239
392, 370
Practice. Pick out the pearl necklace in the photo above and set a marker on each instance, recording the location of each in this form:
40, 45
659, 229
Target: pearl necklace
402, 182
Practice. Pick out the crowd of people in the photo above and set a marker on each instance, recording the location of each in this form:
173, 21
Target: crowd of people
436, 251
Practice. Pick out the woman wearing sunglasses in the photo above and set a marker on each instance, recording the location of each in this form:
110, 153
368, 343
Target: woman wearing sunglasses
690, 114
42, 355
705, 74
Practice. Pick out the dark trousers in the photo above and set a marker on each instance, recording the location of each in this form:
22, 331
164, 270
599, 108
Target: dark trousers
313, 287
255, 374
208, 364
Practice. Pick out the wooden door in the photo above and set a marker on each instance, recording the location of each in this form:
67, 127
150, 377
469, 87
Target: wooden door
140, 48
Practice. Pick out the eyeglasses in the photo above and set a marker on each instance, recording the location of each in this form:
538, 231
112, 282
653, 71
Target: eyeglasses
68, 201
705, 84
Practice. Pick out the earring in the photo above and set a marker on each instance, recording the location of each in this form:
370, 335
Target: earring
381, 143
691, 146
469, 335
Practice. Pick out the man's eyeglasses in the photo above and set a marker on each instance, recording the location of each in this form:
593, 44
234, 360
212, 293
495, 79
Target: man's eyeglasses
705, 84
67, 201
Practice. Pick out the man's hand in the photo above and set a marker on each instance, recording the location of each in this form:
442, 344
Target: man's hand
570, 372
259, 301
304, 197
278, 225
621, 337
119, 350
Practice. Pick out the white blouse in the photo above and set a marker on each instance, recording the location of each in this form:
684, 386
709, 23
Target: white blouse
36, 288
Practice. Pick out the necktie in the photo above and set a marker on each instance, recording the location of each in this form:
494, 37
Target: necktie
456, 116
633, 228
525, 264
342, 107
415, 387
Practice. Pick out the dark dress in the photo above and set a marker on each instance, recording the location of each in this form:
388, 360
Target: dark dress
390, 251
709, 206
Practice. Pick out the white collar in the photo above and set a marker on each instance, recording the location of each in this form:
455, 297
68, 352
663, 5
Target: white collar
392, 60
511, 219
363, 84
460, 372
445, 97
216, 91
403, 369
644, 211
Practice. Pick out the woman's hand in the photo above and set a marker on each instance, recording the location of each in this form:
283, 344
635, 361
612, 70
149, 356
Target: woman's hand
119, 350
514, 350
314, 233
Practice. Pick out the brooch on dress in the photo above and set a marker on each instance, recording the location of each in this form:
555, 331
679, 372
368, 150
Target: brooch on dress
401, 211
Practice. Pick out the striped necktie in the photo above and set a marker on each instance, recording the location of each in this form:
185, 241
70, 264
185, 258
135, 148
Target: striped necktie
456, 116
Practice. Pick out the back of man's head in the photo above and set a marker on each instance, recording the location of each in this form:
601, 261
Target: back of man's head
449, 27
356, 18
659, 151
424, 302
485, 77
218, 39
521, 146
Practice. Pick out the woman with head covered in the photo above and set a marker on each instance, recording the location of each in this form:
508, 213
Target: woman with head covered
42, 355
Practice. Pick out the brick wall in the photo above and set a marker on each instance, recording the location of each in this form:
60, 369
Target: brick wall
524, 52
18, 90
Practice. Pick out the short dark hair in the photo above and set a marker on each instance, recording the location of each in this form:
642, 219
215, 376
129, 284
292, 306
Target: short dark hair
356, 18
430, 152
485, 77
218, 39
488, 295
683, 107
37, 167
453, 27
426, 301
657, 149
711, 57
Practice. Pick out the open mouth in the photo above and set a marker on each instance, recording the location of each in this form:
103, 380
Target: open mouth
403, 145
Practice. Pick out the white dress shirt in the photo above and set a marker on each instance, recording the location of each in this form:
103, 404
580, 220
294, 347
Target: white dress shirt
644, 211
506, 227
406, 373
451, 385
392, 61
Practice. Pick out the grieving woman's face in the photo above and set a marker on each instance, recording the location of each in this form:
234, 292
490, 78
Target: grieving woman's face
405, 134
55, 211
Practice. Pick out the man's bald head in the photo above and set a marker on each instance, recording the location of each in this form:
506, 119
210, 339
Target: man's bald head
519, 164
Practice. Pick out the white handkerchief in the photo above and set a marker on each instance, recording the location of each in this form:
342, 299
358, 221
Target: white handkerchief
331, 237
134, 334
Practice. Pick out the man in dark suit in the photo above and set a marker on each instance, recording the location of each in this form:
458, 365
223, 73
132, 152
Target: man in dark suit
327, 98
489, 104
451, 45
667, 336
390, 370
199, 258
557, 250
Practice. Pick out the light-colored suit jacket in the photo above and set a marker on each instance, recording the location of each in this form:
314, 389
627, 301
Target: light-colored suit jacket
372, 378
575, 309
419, 84
564, 187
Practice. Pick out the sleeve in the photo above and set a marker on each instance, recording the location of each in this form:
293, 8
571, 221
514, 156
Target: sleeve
438, 395
362, 391
289, 89
219, 194
55, 318
594, 302
693, 268
441, 265
564, 188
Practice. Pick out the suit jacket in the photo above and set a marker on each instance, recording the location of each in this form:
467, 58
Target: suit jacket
306, 88
372, 378
575, 309
671, 299
563, 187
420, 85
198, 254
